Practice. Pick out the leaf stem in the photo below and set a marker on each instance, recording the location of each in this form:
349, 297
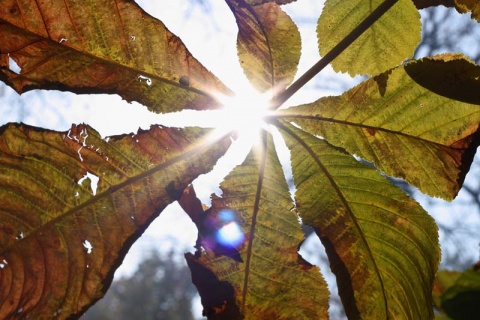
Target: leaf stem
278, 100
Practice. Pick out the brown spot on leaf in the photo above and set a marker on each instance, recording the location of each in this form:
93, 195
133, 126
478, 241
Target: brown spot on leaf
14, 10
371, 131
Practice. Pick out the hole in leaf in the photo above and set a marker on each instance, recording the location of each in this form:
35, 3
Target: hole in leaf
79, 154
88, 246
91, 179
313, 251
13, 66
147, 80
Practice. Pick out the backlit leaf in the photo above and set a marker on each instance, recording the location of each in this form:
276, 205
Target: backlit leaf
387, 43
422, 4
272, 281
61, 235
472, 6
257, 2
457, 293
101, 47
268, 44
381, 244
406, 130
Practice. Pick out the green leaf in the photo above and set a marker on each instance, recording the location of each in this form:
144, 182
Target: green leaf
406, 130
271, 281
457, 293
381, 244
268, 44
98, 47
51, 214
391, 39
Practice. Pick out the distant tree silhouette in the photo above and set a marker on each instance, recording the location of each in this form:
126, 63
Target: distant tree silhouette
160, 289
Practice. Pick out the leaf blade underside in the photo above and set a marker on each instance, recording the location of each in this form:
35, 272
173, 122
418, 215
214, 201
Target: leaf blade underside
472, 6
406, 130
69, 45
382, 246
268, 44
378, 48
272, 281
51, 214
259, 2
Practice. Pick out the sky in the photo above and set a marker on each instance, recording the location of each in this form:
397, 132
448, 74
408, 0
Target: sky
211, 38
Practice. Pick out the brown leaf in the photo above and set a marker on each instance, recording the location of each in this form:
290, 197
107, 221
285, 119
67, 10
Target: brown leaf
66, 45
62, 237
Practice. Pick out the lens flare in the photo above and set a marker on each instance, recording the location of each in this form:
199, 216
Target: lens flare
230, 235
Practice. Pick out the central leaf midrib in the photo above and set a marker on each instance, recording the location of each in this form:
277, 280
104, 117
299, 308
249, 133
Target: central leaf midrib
254, 220
343, 201
113, 189
105, 61
362, 126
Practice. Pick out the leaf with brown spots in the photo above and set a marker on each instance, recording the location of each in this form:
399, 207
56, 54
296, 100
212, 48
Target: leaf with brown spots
63, 235
408, 121
71, 45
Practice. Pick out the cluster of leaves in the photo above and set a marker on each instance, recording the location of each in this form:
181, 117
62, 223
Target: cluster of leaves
61, 240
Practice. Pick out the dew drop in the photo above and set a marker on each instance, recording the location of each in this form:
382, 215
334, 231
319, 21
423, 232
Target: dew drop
63, 40
20, 236
184, 81
133, 38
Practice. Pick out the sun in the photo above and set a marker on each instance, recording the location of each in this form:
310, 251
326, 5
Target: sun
243, 114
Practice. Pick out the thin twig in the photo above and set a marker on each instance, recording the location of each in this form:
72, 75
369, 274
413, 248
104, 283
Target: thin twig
332, 54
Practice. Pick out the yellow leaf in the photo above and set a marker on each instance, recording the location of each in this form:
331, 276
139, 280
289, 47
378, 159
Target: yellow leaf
387, 43
268, 44
382, 246
406, 130
271, 281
